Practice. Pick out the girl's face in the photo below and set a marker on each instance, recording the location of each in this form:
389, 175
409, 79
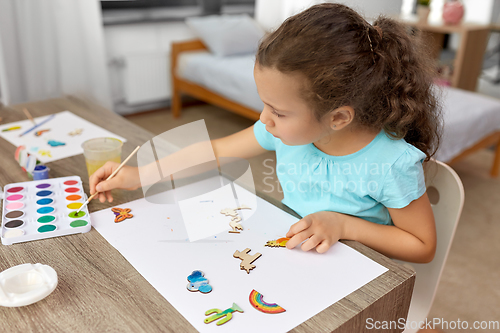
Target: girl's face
286, 114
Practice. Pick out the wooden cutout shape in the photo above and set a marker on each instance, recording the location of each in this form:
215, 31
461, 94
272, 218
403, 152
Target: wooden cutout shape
280, 242
54, 143
45, 153
40, 132
235, 219
246, 263
228, 314
11, 129
77, 131
256, 300
198, 282
121, 214
229, 212
235, 225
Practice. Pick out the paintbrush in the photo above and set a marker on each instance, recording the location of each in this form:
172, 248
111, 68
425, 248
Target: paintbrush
28, 115
43, 122
110, 176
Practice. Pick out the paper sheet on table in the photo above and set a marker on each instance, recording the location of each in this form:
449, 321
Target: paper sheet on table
60, 126
155, 242
184, 155
202, 214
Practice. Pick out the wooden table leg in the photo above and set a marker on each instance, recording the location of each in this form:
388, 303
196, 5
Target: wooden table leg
434, 40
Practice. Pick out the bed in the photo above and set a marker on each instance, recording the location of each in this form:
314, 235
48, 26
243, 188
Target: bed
471, 120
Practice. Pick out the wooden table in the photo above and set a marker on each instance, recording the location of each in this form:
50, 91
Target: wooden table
468, 61
99, 291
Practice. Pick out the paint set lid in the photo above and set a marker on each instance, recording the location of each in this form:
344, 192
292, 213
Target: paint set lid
26, 284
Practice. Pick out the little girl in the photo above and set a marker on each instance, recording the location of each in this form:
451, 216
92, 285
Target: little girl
350, 111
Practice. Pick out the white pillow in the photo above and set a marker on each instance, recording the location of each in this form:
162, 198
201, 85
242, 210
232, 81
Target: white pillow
226, 35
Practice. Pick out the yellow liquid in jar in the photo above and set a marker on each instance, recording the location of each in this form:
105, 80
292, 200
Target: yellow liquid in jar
93, 165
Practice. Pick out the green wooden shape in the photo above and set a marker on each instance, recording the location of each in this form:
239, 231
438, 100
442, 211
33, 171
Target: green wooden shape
226, 315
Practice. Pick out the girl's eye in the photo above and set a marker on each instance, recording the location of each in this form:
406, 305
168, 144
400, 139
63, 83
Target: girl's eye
276, 113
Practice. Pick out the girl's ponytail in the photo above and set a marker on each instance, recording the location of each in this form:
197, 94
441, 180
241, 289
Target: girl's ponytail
413, 111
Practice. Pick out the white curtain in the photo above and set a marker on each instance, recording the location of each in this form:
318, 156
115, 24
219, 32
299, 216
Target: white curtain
4, 91
52, 48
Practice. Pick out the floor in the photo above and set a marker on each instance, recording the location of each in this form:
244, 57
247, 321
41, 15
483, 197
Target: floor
470, 284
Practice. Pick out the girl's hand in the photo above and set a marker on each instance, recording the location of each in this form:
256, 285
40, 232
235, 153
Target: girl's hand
322, 229
127, 178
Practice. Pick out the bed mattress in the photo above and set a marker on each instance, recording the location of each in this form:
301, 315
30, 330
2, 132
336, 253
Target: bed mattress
468, 117
231, 77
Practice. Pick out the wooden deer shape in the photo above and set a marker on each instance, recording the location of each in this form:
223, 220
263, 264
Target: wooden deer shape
246, 263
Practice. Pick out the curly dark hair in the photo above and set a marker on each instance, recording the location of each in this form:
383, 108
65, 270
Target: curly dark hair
383, 71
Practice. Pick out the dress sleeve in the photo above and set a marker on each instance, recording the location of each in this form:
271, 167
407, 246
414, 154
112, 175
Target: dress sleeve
265, 139
404, 181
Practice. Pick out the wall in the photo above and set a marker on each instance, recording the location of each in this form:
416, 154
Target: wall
478, 11
271, 13
4, 88
372, 9
130, 42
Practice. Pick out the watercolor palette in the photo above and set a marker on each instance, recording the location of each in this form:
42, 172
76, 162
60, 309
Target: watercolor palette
43, 209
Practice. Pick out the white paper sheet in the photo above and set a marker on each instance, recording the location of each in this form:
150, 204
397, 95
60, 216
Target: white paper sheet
60, 126
202, 217
156, 243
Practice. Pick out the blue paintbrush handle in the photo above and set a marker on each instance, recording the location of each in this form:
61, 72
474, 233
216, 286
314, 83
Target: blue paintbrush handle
43, 122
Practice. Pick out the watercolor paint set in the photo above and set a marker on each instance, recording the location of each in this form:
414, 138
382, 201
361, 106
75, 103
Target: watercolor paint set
43, 209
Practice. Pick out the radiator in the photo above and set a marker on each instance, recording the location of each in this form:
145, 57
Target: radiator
146, 78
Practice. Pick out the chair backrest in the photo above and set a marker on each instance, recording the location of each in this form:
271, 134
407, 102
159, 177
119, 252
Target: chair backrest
446, 193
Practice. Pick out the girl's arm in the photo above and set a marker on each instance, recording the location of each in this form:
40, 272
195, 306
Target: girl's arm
242, 144
412, 238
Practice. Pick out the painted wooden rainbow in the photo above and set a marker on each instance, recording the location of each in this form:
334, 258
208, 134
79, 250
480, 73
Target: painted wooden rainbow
257, 302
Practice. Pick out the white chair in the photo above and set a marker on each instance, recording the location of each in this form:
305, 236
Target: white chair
446, 193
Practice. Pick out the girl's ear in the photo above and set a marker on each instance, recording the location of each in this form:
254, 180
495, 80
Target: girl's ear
341, 117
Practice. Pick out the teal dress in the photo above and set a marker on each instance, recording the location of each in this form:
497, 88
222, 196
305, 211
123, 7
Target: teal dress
384, 174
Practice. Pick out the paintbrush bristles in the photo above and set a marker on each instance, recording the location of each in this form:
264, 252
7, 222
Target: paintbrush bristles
87, 202
111, 176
